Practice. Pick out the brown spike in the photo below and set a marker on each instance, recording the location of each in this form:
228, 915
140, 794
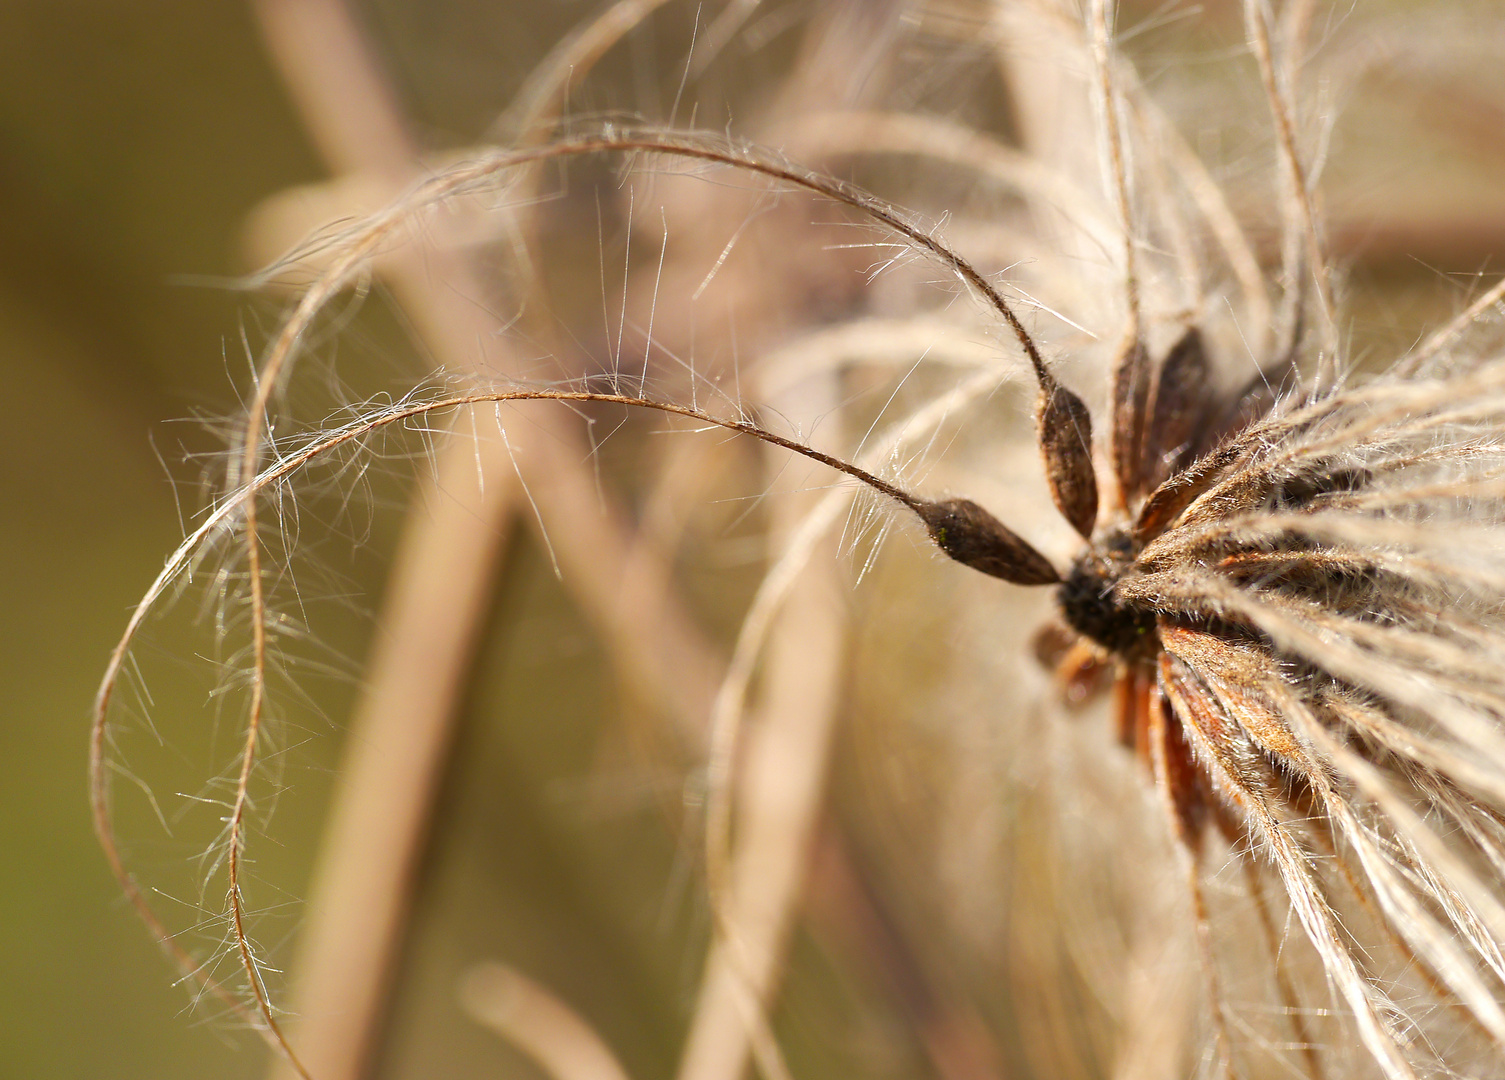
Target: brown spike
1167, 502
1255, 400
1131, 395
1180, 391
974, 537
1065, 431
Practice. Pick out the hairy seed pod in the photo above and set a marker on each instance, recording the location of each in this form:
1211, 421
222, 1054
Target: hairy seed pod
975, 538
1065, 430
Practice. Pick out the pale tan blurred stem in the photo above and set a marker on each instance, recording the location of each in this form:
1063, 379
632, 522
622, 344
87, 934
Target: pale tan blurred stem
437, 598
780, 787
781, 774
1039, 56
437, 601
535, 1021
1157, 1004
846, 909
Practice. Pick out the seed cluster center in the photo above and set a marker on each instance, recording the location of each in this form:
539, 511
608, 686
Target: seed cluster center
1089, 598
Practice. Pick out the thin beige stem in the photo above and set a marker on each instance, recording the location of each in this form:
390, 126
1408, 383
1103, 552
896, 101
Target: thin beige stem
1450, 333
781, 789
535, 1021
729, 714
1305, 1043
236, 840
1118, 168
1301, 215
268, 382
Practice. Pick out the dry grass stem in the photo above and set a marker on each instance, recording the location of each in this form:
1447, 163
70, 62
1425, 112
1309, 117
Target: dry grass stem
539, 1024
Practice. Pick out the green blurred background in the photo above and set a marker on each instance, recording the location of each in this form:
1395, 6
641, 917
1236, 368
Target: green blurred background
134, 137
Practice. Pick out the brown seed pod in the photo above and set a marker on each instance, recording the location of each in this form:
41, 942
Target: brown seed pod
975, 538
1065, 434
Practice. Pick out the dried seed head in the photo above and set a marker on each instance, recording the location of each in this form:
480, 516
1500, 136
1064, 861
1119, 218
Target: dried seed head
971, 535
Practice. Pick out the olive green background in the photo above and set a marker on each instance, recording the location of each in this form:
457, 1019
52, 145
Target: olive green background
134, 139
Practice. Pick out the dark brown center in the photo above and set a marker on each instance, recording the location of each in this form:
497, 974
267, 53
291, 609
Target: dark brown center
1090, 604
